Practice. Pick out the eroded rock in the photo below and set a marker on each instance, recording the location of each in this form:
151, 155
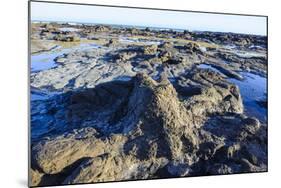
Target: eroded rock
153, 134
144, 107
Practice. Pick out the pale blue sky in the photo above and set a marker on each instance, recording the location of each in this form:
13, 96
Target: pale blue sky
148, 18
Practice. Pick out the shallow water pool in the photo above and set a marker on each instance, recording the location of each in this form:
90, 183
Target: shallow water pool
45, 60
253, 88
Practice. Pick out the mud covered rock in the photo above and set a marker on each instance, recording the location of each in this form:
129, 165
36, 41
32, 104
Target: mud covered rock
192, 48
124, 56
112, 42
153, 105
67, 38
150, 50
42, 46
207, 92
101, 28
150, 132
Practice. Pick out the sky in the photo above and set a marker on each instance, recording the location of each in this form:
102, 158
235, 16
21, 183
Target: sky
42, 11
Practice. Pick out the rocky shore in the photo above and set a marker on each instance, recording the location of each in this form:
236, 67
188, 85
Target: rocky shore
139, 103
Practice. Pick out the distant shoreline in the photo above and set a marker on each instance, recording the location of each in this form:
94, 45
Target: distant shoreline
140, 27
